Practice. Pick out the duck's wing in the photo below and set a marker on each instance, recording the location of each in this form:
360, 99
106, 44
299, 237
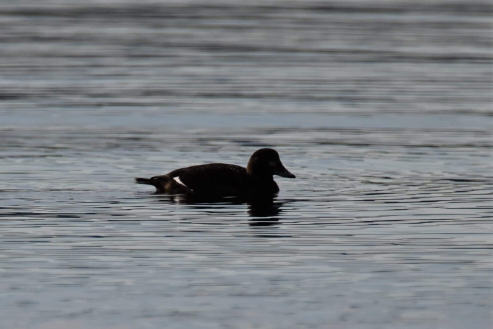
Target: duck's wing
212, 179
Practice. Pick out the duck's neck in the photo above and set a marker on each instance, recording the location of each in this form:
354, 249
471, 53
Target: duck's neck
256, 170
261, 176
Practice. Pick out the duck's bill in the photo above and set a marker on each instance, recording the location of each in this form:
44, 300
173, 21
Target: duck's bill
283, 172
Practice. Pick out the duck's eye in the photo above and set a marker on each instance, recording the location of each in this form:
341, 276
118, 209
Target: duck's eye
272, 163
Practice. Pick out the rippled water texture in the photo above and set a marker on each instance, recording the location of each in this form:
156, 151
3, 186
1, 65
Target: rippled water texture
383, 111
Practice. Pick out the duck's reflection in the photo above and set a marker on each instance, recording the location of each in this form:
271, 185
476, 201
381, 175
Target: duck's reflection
263, 209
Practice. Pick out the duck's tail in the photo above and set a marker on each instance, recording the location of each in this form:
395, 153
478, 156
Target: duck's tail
146, 181
161, 183
165, 184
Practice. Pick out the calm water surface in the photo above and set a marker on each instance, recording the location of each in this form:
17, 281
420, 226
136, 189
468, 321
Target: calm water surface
382, 110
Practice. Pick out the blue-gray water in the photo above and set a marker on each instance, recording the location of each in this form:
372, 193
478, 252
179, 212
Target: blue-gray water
382, 109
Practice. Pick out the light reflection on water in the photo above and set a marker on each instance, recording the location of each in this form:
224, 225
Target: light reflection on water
387, 130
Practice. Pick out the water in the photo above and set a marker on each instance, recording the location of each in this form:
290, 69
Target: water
382, 110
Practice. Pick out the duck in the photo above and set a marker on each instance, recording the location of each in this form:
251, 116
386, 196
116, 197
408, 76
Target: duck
221, 179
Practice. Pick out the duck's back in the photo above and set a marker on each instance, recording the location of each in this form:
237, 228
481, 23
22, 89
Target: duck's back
213, 179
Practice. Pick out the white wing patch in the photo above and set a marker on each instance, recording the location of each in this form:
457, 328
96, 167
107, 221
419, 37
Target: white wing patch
177, 179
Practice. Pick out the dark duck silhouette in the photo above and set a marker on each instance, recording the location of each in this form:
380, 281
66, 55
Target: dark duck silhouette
220, 179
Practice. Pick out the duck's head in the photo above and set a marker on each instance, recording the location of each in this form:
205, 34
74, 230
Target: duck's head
266, 162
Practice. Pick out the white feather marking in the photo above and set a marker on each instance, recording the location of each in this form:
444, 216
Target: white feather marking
177, 179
